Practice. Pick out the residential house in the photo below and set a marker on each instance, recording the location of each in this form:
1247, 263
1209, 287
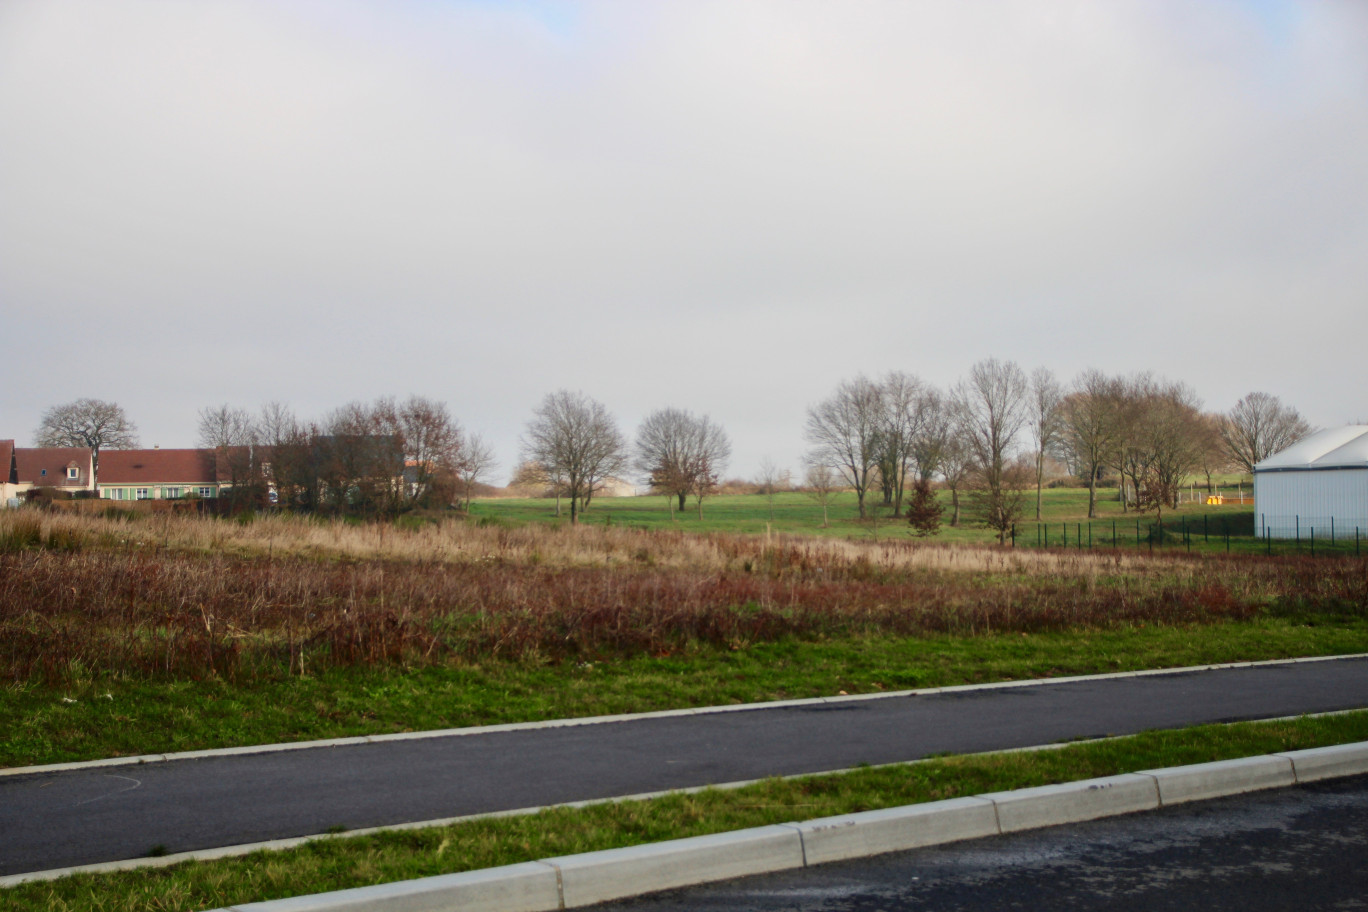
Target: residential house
22, 469
159, 474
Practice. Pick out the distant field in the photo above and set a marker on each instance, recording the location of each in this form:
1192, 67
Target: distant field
1194, 526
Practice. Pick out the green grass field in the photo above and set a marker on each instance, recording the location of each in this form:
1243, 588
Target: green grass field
1195, 526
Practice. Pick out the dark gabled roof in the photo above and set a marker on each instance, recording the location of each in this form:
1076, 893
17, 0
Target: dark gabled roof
46, 466
143, 467
7, 462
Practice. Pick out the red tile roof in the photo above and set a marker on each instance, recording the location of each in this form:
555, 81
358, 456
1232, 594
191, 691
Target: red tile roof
47, 466
157, 467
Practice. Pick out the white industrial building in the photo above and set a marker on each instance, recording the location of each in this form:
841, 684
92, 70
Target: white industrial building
1319, 486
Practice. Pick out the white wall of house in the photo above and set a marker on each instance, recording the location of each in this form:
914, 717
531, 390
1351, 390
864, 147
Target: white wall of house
159, 491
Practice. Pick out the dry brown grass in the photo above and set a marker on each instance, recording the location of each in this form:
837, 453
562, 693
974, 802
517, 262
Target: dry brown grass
583, 546
177, 597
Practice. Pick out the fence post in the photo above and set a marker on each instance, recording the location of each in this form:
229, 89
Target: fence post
1298, 521
1204, 528
1113, 533
1065, 527
1268, 541
1226, 523
1079, 536
1332, 531
1013, 535
1137, 536
1313, 541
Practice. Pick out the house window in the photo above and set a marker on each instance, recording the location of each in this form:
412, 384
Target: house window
43, 473
72, 472
142, 494
206, 492
172, 493
114, 493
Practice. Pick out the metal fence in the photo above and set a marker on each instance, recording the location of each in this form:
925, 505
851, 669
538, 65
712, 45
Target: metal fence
1243, 532
1309, 527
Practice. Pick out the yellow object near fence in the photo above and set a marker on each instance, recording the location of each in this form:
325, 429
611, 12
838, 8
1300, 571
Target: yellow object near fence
1216, 499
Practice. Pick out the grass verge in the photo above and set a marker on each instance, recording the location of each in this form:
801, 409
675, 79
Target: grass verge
111, 716
340, 863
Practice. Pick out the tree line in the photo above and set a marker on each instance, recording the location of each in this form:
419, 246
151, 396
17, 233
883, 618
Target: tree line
990, 434
985, 439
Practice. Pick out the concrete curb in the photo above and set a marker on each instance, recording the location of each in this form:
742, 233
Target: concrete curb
628, 717
580, 880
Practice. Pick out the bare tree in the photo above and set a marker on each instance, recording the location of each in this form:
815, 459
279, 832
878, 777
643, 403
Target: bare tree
430, 439
1258, 426
87, 423
1091, 425
771, 480
225, 426
663, 454
1046, 425
1174, 439
713, 450
820, 481
360, 457
991, 409
1000, 509
1132, 454
575, 439
682, 454
905, 403
475, 461
232, 434
955, 466
940, 450
287, 456
845, 433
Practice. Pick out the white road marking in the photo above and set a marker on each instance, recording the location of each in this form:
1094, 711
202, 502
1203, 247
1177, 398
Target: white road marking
128, 788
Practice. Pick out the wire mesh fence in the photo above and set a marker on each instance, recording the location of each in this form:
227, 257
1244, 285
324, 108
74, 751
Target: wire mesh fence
1242, 533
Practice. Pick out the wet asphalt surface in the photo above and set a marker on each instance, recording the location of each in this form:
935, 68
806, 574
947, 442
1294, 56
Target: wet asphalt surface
1299, 848
58, 819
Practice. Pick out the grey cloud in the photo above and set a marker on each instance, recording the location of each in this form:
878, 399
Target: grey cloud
725, 207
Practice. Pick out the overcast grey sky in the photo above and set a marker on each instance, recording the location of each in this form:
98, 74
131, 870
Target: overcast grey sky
727, 207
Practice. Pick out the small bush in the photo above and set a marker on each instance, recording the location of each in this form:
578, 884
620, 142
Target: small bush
923, 511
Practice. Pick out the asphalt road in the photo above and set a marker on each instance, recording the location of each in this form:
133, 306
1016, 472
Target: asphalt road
50, 820
1296, 848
